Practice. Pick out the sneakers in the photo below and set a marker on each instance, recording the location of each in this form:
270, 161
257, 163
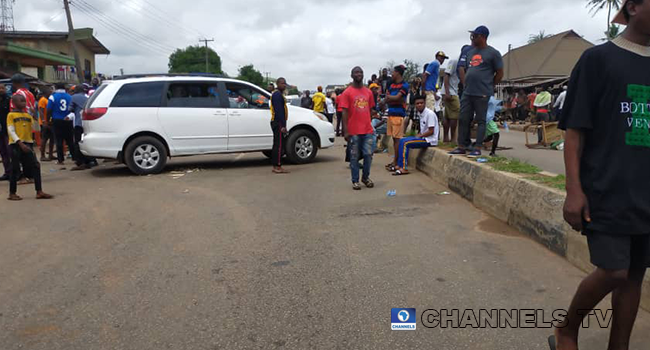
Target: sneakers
368, 183
356, 186
474, 154
458, 151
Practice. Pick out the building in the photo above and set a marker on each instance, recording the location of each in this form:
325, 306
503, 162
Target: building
48, 55
548, 61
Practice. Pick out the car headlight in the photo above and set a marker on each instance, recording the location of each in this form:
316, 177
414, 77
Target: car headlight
321, 117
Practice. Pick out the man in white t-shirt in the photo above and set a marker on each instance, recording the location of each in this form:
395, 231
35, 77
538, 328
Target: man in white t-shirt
452, 101
427, 137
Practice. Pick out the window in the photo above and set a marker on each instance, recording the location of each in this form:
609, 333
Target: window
244, 97
193, 95
139, 95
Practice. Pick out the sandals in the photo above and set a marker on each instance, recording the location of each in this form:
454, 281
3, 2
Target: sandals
400, 172
356, 186
368, 183
390, 167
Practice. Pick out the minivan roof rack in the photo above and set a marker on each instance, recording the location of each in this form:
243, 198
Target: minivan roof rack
151, 75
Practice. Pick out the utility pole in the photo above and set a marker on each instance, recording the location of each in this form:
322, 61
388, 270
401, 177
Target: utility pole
6, 16
206, 52
267, 78
73, 42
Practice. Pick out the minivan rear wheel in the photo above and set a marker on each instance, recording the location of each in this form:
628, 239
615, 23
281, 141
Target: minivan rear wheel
302, 146
145, 155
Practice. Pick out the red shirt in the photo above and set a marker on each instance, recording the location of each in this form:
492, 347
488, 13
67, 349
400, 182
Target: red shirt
30, 107
359, 103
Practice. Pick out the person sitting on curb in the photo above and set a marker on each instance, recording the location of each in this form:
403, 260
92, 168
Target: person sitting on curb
429, 130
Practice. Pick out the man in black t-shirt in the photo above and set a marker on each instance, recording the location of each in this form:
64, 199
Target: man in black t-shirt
607, 151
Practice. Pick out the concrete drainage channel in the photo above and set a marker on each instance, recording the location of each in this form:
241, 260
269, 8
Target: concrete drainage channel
531, 208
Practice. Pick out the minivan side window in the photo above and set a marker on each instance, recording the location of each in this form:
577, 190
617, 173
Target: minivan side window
139, 95
242, 96
192, 95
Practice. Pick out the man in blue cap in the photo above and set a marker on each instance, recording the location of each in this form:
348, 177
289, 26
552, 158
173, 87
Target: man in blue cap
484, 70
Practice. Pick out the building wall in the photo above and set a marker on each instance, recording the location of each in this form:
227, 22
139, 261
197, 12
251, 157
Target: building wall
63, 47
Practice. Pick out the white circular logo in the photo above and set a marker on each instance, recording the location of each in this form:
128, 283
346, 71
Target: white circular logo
403, 315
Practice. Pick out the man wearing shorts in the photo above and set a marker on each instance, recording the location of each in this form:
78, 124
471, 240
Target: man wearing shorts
607, 147
430, 79
396, 101
452, 102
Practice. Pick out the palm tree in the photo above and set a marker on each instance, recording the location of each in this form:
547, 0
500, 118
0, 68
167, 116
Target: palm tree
597, 5
611, 33
533, 38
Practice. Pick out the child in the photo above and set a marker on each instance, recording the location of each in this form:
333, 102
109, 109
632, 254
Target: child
428, 137
20, 126
492, 129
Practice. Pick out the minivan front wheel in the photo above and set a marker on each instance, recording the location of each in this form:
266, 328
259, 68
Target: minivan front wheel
145, 155
302, 146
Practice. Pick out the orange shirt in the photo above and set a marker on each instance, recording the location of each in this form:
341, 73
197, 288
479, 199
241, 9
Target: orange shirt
42, 110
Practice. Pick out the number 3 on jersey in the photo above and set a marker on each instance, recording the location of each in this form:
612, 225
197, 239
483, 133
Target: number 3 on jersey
64, 106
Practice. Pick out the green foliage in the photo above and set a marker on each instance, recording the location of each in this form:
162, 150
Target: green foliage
192, 60
513, 166
533, 38
294, 91
597, 5
250, 74
612, 33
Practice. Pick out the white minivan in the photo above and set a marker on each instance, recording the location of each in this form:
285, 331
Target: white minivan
143, 121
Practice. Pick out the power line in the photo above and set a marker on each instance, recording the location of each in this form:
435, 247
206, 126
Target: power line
157, 18
172, 16
54, 17
92, 8
206, 52
120, 31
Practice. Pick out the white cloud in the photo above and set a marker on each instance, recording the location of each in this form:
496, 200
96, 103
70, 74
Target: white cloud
309, 42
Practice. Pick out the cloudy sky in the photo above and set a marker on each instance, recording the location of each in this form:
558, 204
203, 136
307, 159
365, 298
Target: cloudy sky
309, 42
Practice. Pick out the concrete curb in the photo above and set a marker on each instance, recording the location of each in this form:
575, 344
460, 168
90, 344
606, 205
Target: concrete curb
531, 208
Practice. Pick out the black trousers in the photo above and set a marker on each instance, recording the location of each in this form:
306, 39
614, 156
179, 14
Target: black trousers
278, 144
330, 117
81, 159
63, 131
339, 121
472, 107
29, 163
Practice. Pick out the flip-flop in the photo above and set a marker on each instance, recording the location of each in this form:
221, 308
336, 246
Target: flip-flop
552, 343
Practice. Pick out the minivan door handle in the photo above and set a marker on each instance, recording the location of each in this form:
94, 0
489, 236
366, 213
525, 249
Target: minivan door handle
220, 113
235, 114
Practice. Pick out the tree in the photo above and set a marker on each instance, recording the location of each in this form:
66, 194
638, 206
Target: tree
612, 33
533, 38
412, 68
294, 91
598, 5
250, 74
192, 60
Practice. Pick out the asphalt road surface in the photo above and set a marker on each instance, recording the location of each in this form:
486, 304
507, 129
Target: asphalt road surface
233, 257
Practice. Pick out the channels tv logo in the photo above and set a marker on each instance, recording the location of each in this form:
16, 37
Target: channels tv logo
403, 319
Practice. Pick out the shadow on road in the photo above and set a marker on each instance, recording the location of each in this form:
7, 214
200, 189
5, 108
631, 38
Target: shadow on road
203, 163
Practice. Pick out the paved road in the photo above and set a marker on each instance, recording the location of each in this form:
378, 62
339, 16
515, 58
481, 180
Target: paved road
546, 159
233, 258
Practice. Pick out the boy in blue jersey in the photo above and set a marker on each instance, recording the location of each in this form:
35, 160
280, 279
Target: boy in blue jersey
59, 109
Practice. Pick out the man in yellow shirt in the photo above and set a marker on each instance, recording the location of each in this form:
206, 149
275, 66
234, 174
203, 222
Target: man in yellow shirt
20, 126
319, 101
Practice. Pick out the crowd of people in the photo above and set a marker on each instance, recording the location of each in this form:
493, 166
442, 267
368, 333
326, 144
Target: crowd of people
37, 120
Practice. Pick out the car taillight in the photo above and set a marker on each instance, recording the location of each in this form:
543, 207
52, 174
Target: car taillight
93, 113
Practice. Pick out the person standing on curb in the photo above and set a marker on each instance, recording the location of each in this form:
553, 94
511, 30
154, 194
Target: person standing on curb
279, 116
430, 79
608, 196
358, 106
396, 101
485, 70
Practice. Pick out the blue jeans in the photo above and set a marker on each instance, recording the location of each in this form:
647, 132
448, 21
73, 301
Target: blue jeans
360, 145
378, 131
